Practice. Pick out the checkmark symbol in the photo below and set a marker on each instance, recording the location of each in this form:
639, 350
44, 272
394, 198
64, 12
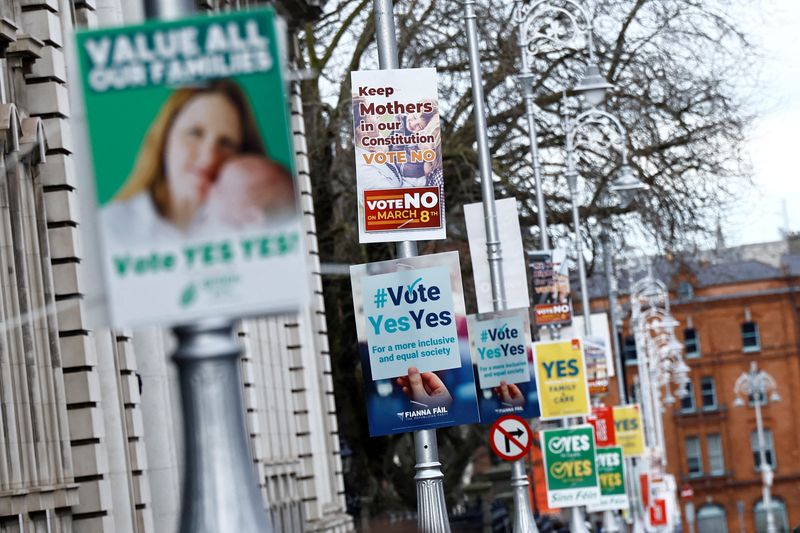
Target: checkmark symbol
411, 287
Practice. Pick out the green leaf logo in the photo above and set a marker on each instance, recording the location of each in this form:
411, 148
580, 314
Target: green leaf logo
188, 295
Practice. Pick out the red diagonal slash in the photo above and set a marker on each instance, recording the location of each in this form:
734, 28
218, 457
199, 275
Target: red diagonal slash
511, 438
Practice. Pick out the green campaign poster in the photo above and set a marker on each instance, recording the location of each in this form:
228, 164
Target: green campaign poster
611, 472
570, 467
188, 125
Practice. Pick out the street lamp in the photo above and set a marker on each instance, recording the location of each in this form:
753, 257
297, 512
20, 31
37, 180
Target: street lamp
757, 384
556, 22
659, 356
626, 185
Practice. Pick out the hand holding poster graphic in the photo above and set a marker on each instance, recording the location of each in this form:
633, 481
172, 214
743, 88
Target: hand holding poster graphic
500, 343
398, 150
412, 336
199, 210
570, 467
561, 379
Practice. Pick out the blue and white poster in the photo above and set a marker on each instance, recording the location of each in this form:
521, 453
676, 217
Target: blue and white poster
500, 343
413, 344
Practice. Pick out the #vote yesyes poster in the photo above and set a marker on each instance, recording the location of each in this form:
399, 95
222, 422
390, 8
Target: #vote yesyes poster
628, 429
561, 379
570, 466
611, 473
198, 210
398, 151
500, 343
412, 339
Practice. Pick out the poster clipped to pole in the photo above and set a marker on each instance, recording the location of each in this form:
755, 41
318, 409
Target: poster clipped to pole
500, 343
552, 300
570, 466
628, 429
561, 379
597, 351
412, 339
514, 277
192, 155
602, 420
398, 150
611, 472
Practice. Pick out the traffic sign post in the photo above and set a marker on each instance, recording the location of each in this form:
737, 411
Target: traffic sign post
510, 438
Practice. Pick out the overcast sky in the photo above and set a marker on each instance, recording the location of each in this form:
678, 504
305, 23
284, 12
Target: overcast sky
774, 144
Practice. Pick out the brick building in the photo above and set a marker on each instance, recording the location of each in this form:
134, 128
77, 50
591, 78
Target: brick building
735, 306
89, 418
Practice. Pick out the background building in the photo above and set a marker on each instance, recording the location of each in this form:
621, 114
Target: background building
734, 305
90, 419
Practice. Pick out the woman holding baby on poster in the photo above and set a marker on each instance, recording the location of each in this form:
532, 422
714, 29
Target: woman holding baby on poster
201, 169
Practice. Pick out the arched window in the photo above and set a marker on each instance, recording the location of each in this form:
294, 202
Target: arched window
711, 518
778, 512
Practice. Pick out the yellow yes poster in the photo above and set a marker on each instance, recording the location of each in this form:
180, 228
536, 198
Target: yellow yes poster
561, 379
628, 429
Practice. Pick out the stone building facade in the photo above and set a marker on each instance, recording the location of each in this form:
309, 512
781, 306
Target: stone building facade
734, 308
90, 418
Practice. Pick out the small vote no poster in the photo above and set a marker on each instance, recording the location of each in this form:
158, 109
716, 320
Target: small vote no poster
502, 358
561, 379
398, 149
628, 429
570, 466
412, 338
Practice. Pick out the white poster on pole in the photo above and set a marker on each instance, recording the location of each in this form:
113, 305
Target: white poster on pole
398, 149
516, 282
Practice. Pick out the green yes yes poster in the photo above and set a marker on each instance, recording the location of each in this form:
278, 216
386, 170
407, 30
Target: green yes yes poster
570, 466
611, 473
193, 161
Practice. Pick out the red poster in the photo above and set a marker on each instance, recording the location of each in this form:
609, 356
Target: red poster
644, 484
413, 208
658, 513
602, 419
539, 483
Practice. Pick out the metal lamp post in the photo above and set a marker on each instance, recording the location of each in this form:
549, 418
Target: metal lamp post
542, 21
523, 515
757, 384
220, 488
431, 506
660, 359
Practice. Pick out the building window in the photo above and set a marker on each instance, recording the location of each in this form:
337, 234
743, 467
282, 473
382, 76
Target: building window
778, 514
751, 340
769, 448
694, 459
691, 343
629, 349
712, 519
685, 290
687, 402
716, 462
708, 393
